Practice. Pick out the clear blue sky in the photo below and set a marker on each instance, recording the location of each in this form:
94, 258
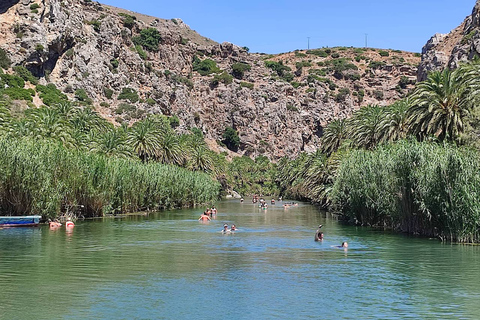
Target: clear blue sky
275, 26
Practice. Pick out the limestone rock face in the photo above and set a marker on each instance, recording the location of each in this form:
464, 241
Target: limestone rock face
78, 44
449, 50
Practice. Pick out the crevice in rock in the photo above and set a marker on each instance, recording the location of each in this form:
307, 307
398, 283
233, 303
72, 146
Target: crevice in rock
38, 63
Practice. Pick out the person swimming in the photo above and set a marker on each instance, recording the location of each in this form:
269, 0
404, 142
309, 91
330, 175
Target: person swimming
225, 228
344, 244
233, 228
319, 234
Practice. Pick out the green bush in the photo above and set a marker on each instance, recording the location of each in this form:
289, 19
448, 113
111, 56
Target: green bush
95, 24
140, 52
50, 95
81, 95
12, 81
108, 92
224, 78
149, 39
342, 94
335, 55
291, 107
239, 69
19, 93
151, 102
377, 64
278, 67
231, 139
34, 6
114, 63
205, 67
403, 82
25, 74
128, 20
318, 72
248, 85
301, 64
318, 52
125, 108
383, 53
39, 48
128, 94
174, 121
352, 76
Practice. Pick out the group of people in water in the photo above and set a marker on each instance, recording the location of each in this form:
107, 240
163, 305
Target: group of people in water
210, 213
263, 204
54, 224
233, 228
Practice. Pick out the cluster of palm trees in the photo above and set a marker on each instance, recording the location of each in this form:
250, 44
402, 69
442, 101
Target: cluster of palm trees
438, 108
151, 139
442, 108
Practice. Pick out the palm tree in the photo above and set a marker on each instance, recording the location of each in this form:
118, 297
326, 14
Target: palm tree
87, 119
48, 123
441, 103
170, 150
144, 139
333, 136
364, 126
200, 159
111, 143
394, 125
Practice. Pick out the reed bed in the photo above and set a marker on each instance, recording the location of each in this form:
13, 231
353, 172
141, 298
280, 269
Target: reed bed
47, 179
419, 188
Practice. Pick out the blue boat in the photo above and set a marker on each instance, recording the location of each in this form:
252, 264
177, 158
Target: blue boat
19, 221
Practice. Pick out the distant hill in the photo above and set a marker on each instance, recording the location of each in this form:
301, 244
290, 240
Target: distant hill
127, 65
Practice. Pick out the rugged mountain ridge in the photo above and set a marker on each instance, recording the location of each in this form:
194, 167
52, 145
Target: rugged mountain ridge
279, 106
449, 50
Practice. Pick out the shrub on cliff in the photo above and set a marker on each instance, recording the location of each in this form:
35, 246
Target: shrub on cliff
239, 69
205, 67
128, 20
50, 95
224, 78
4, 59
231, 139
149, 39
128, 94
278, 67
26, 75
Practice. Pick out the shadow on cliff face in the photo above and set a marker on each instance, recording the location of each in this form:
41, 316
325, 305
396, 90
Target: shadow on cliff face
6, 4
42, 61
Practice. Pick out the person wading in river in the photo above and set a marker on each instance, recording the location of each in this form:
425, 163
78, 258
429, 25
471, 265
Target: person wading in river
319, 234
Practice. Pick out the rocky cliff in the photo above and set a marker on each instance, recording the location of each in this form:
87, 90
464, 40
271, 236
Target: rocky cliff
279, 104
449, 50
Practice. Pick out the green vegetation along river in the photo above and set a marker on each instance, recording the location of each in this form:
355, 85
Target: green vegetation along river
170, 266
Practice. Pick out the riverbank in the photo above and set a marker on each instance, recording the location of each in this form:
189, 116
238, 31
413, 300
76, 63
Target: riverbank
44, 178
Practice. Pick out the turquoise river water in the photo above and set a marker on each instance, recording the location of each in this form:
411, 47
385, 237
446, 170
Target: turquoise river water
170, 266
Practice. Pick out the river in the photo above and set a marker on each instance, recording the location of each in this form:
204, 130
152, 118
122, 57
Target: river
168, 265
